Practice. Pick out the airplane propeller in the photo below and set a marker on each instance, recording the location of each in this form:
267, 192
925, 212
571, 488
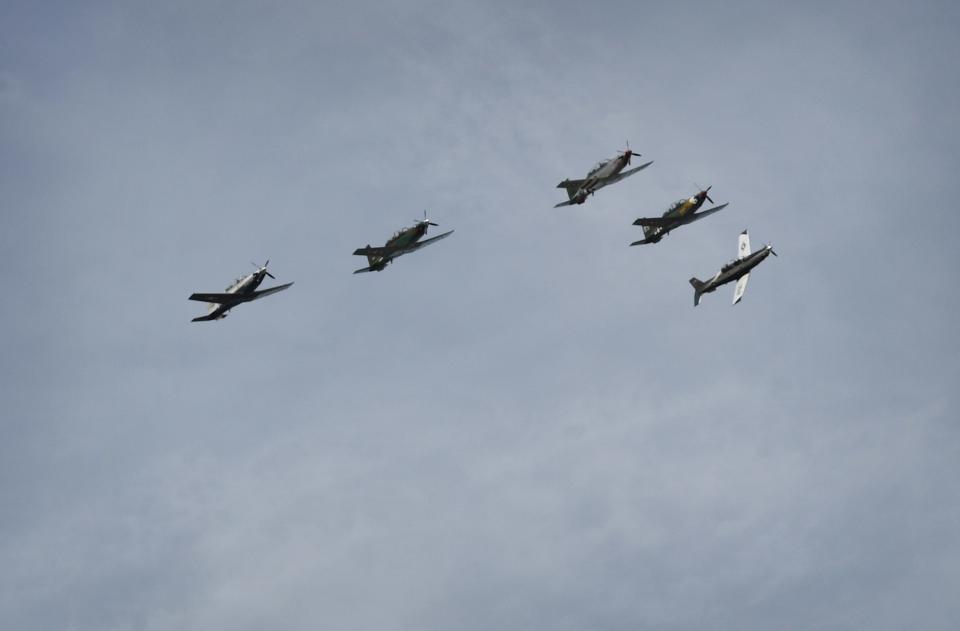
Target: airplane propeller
704, 191
425, 220
264, 268
628, 152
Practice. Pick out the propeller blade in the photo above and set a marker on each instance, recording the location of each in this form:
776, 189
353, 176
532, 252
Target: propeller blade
430, 223
708, 199
772, 252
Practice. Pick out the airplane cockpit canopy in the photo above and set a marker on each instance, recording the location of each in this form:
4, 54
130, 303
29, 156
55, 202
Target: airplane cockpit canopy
598, 166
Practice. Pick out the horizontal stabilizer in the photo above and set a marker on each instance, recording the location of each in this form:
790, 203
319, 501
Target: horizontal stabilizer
571, 185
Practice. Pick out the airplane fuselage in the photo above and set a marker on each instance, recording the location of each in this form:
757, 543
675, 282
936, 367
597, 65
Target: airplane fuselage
601, 171
401, 240
735, 269
242, 288
678, 210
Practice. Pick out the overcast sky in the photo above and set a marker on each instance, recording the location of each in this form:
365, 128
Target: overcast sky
527, 425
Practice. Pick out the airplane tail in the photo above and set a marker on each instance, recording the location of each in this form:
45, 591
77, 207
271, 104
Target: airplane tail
698, 286
649, 230
370, 257
571, 186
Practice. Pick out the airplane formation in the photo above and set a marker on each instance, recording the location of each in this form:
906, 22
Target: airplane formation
606, 172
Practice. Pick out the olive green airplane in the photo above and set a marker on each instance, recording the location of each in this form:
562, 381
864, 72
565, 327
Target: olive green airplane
402, 242
680, 213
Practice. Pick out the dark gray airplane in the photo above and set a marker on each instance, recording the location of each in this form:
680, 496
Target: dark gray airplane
736, 270
679, 214
244, 289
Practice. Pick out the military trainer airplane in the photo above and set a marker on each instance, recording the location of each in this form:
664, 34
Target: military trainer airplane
681, 213
244, 289
605, 172
402, 242
736, 270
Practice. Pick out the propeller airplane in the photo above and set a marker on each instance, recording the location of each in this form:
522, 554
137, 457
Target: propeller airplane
244, 289
736, 270
680, 213
605, 172
403, 241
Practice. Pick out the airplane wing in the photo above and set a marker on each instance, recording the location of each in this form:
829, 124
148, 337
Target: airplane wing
741, 287
619, 176
743, 247
267, 292
702, 214
217, 298
667, 222
419, 244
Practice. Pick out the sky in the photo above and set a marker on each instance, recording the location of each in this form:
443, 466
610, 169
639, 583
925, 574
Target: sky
527, 425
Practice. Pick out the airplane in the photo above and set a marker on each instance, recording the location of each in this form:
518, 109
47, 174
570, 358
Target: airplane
736, 270
402, 242
605, 172
244, 289
681, 213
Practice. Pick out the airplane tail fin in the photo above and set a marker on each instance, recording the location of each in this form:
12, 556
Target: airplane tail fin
370, 257
571, 186
649, 230
697, 289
